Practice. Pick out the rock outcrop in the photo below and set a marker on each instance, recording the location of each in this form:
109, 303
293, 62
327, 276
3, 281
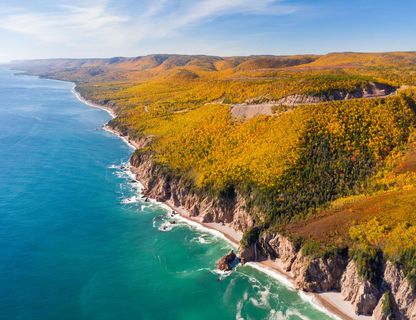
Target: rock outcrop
228, 262
335, 273
309, 274
278, 246
372, 90
362, 294
177, 191
385, 310
403, 295
319, 274
332, 273
264, 105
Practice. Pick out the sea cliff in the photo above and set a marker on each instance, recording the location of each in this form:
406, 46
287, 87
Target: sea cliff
336, 273
339, 142
333, 273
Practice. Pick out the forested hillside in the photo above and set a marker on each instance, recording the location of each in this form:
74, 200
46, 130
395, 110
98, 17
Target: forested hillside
335, 173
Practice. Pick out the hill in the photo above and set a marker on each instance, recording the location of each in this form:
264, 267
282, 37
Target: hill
327, 163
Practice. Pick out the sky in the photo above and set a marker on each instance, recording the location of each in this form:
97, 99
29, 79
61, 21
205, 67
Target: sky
31, 29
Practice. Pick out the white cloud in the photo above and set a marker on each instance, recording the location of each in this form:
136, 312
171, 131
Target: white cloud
88, 26
186, 14
65, 26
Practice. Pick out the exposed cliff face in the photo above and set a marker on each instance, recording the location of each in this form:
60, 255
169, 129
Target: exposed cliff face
332, 273
176, 191
372, 90
379, 313
403, 295
255, 107
309, 274
336, 273
319, 274
363, 295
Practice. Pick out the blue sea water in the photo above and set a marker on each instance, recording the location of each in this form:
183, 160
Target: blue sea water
75, 242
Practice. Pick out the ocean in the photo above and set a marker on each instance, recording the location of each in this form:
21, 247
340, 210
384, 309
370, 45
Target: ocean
78, 242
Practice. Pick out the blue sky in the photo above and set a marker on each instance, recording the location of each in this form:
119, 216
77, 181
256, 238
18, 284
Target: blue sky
105, 28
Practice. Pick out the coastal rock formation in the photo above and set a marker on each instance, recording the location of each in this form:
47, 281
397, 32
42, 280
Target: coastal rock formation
248, 253
270, 246
278, 246
319, 274
333, 273
363, 295
384, 309
178, 192
228, 262
402, 293
309, 274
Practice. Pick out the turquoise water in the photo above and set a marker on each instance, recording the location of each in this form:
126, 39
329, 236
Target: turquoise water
76, 244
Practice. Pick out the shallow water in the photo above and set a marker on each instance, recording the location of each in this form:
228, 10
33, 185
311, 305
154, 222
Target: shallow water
76, 241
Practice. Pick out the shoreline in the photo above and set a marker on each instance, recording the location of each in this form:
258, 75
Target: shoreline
91, 104
330, 303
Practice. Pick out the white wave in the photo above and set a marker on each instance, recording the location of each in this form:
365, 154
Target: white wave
203, 239
133, 199
144, 207
221, 273
158, 220
192, 271
130, 174
137, 185
124, 139
276, 315
120, 174
313, 301
292, 312
271, 273
286, 282
200, 227
255, 283
239, 307
166, 226
263, 298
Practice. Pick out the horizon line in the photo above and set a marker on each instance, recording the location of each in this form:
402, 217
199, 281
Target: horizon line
207, 55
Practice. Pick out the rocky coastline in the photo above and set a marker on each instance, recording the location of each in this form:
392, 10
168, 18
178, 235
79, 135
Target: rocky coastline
334, 274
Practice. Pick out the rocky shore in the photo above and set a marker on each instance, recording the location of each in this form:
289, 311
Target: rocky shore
337, 273
334, 281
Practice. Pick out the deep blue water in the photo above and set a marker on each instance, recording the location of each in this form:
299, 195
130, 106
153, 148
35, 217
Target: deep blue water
71, 247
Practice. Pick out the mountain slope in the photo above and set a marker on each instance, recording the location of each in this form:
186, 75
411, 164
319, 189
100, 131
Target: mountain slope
326, 188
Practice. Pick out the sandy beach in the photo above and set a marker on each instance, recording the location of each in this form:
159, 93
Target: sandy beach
331, 303
223, 230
